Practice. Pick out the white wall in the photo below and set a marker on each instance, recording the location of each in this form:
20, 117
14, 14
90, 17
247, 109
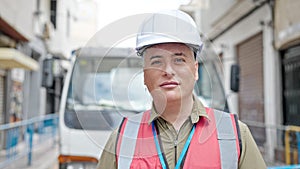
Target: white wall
234, 36
214, 10
19, 14
226, 43
85, 25
59, 43
243, 30
74, 32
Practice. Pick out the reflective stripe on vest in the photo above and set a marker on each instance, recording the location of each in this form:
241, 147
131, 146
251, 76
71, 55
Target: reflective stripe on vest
214, 137
227, 139
129, 138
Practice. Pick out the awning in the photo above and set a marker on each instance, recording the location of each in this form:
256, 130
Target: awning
11, 58
287, 23
9, 30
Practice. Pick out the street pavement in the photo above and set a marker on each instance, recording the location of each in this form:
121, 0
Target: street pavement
44, 156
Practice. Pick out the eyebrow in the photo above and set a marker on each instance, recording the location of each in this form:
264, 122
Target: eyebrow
174, 54
179, 54
155, 56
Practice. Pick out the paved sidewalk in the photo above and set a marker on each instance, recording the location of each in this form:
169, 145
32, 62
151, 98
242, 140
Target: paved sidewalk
44, 156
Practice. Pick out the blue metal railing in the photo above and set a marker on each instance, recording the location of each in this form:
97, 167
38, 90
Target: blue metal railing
286, 167
18, 138
296, 166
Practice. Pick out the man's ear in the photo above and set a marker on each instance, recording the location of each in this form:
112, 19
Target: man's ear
196, 71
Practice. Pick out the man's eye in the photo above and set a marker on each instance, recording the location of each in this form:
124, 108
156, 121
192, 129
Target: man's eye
155, 62
179, 60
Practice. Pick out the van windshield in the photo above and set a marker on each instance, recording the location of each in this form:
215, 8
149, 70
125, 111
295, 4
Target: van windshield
209, 87
103, 91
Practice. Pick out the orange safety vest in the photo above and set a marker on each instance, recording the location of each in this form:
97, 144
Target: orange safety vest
214, 145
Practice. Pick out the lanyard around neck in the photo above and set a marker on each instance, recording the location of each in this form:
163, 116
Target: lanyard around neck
184, 150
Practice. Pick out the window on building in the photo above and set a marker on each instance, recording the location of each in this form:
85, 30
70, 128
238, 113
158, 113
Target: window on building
53, 12
291, 86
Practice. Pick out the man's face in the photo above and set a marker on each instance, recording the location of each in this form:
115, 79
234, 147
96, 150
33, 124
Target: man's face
170, 71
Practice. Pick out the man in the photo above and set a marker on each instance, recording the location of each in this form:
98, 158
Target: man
178, 132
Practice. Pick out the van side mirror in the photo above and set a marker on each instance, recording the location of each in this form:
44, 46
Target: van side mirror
235, 78
47, 79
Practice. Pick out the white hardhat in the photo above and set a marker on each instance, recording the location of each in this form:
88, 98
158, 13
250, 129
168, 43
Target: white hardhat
172, 26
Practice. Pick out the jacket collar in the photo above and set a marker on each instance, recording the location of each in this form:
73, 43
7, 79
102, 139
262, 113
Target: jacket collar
198, 111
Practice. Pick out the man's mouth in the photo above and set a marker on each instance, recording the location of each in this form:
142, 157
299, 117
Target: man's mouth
169, 84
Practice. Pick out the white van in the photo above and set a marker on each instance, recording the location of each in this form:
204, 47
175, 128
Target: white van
102, 87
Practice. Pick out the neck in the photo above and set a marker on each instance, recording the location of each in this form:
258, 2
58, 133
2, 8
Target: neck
175, 112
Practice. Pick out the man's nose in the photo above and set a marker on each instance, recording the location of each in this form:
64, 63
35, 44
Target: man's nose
168, 70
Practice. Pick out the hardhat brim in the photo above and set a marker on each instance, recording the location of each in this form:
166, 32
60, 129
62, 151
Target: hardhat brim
150, 40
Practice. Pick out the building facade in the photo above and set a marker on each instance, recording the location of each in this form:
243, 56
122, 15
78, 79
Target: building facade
262, 37
32, 32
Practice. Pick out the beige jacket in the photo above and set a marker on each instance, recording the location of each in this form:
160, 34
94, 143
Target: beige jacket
250, 156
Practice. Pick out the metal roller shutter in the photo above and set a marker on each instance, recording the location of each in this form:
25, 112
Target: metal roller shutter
251, 95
